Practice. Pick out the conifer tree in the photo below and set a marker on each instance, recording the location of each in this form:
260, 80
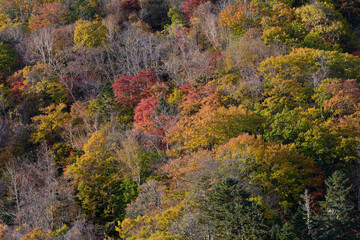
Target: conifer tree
287, 232
339, 218
300, 228
232, 214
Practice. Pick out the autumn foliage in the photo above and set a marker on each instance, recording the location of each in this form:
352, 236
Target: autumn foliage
240, 17
190, 6
173, 120
130, 90
47, 15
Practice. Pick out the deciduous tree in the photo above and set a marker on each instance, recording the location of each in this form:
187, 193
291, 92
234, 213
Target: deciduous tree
130, 90
51, 123
211, 127
239, 17
47, 15
90, 34
278, 169
97, 177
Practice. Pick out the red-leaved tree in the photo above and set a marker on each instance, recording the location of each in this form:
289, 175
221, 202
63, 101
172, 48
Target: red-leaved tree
356, 53
190, 6
195, 97
154, 118
130, 90
130, 6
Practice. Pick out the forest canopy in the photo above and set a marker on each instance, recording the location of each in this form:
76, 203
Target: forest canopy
179, 119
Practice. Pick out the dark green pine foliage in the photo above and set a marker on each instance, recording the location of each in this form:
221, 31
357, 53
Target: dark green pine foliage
339, 218
81, 9
7, 59
287, 232
163, 106
233, 216
300, 228
292, 230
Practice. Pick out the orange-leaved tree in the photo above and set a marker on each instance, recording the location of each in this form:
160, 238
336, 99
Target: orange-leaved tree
211, 127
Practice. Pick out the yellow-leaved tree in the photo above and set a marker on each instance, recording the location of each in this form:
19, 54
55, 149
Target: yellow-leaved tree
240, 17
51, 123
90, 34
151, 227
276, 169
97, 176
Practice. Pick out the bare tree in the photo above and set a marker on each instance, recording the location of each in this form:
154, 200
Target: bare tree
40, 46
149, 200
38, 193
5, 133
13, 185
209, 25
222, 4
184, 62
13, 33
135, 49
307, 208
321, 74
243, 59
37, 188
81, 230
129, 155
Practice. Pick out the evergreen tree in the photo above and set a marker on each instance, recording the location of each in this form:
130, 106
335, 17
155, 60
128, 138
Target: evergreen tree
300, 228
7, 59
287, 232
339, 218
233, 216
292, 230
163, 106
